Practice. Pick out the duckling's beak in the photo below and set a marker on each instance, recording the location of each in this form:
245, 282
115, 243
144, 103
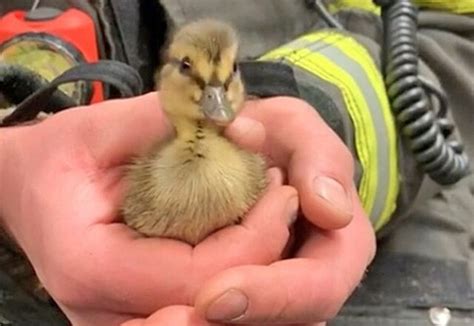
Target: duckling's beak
216, 106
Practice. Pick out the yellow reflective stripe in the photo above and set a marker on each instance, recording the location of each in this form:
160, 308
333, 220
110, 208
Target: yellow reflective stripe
454, 6
458, 7
357, 52
303, 52
355, 102
366, 5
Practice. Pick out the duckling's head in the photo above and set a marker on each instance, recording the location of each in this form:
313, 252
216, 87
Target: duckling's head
200, 79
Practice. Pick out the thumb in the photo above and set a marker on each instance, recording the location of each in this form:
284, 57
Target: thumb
247, 133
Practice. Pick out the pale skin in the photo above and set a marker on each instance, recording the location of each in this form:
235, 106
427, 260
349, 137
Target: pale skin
61, 188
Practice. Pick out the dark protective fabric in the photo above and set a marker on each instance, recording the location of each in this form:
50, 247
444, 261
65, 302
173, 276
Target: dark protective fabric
19, 308
428, 259
133, 32
400, 289
439, 232
267, 79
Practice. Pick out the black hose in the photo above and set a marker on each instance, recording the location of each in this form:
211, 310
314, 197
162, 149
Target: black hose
18, 82
444, 161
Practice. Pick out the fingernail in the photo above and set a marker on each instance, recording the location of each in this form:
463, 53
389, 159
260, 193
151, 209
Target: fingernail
292, 210
333, 192
229, 306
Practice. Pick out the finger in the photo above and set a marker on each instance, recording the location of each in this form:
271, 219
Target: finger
114, 130
174, 315
309, 288
247, 133
319, 164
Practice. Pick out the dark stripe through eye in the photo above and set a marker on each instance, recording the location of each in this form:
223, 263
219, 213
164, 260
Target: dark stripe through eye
185, 68
228, 81
199, 81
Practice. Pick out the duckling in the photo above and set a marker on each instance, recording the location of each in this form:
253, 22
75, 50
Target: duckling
200, 181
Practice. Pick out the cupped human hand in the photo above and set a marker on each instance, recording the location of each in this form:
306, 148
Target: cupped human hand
319, 165
328, 261
61, 188
334, 241
306, 289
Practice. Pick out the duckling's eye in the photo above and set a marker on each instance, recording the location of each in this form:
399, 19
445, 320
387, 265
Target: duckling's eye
185, 65
234, 68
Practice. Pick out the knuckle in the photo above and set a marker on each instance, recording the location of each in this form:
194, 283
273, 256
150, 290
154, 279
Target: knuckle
267, 245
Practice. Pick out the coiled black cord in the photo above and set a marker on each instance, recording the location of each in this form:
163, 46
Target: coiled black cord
410, 97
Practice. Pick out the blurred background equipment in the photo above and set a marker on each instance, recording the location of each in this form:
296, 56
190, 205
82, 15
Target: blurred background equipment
49, 41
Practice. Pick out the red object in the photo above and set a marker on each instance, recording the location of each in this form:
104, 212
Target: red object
72, 26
